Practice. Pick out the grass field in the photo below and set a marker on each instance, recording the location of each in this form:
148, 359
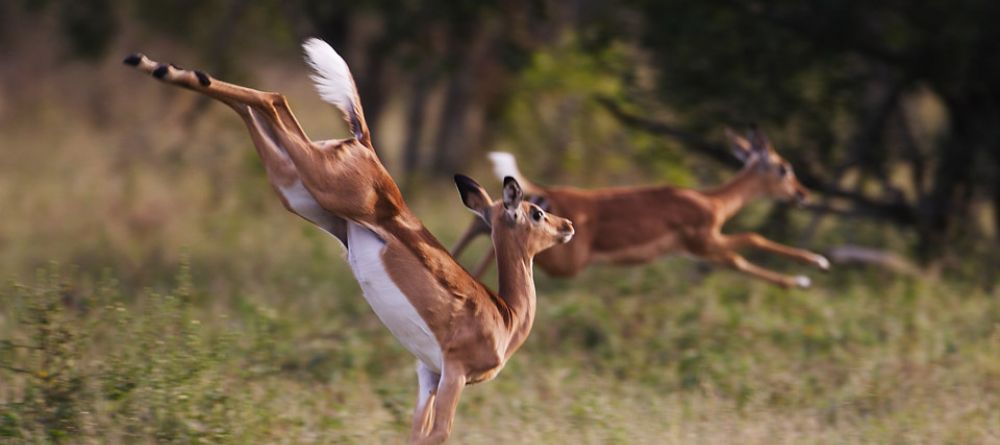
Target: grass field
158, 293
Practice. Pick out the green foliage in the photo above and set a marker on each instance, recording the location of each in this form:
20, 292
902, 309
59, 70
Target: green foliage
556, 124
47, 360
619, 356
92, 366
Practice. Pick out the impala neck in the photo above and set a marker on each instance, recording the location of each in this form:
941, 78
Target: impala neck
733, 195
517, 286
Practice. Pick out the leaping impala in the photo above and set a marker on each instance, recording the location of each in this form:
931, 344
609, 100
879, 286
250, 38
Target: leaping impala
460, 331
638, 224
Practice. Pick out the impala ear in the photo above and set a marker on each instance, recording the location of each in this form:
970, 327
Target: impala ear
512, 194
760, 145
473, 195
739, 145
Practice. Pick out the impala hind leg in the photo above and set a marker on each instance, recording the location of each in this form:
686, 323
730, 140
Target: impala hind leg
256, 108
271, 107
271, 131
423, 414
741, 264
327, 170
199, 81
756, 241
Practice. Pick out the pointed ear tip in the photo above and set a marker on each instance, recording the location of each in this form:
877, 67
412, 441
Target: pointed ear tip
462, 180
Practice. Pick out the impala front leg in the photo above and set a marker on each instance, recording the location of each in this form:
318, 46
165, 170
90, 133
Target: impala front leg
754, 240
476, 228
445, 402
485, 262
427, 380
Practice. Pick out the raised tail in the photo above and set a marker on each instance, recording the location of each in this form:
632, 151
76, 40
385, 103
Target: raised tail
504, 164
336, 86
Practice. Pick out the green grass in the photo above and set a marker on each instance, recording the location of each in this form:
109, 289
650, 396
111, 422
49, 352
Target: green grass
618, 357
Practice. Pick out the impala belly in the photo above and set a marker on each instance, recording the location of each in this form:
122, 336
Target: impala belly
640, 253
364, 254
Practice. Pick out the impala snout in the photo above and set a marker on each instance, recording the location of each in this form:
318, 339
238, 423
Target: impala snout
801, 195
566, 232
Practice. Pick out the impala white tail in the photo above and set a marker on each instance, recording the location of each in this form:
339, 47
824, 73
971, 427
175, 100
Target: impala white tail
336, 86
504, 165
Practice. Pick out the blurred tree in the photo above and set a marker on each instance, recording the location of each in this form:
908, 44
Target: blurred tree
835, 77
840, 83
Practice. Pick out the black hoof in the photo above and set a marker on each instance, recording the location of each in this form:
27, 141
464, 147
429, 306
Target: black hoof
203, 78
160, 71
133, 59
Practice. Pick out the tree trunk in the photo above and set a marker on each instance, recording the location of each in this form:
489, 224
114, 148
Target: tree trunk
460, 124
939, 208
451, 140
415, 120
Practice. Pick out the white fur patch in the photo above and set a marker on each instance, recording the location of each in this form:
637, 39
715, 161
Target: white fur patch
504, 164
364, 254
803, 281
333, 78
822, 262
304, 204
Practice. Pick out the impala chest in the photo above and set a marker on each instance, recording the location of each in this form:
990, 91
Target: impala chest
390, 304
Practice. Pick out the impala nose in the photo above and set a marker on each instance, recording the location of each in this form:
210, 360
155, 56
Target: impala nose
566, 232
801, 197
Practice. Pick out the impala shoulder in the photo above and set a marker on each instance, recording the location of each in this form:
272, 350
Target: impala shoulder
481, 355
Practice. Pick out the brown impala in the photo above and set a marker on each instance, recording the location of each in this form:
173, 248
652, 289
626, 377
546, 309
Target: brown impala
460, 331
638, 224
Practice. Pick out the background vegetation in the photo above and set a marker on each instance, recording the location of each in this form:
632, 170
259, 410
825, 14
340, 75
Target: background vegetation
157, 292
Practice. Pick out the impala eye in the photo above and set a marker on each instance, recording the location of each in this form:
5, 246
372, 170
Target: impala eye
783, 170
537, 215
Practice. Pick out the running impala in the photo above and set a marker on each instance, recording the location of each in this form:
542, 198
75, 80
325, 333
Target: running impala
636, 225
460, 331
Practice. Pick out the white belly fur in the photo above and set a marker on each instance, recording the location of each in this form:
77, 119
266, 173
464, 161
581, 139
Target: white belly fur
364, 254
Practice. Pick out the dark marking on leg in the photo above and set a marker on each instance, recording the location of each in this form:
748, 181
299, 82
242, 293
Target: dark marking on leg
160, 71
203, 78
133, 59
176, 67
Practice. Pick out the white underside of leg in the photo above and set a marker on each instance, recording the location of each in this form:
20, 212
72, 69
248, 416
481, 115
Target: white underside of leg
304, 204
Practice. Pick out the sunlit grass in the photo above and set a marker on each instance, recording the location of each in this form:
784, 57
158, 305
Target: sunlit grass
714, 361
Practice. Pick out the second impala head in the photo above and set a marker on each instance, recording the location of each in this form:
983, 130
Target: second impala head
777, 177
512, 216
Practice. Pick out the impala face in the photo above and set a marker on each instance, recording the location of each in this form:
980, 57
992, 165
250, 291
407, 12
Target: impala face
528, 224
777, 177
780, 180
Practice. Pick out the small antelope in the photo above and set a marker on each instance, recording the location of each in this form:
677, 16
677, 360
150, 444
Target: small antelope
638, 224
460, 331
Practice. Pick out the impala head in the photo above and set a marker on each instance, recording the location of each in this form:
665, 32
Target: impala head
774, 172
525, 222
